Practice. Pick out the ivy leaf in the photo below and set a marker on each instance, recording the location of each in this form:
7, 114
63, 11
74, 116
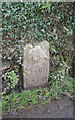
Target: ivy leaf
24, 27
42, 30
48, 23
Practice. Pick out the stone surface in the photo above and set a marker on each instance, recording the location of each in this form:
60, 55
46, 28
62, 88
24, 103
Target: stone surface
5, 65
36, 64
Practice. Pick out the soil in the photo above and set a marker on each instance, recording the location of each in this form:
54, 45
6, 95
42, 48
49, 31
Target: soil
62, 108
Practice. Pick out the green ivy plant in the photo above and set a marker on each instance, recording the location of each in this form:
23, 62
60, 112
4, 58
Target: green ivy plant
60, 82
45, 6
24, 22
11, 79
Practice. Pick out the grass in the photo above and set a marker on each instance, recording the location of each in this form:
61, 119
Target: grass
31, 97
59, 84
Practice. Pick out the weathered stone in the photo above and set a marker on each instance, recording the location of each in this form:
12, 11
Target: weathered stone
36, 64
5, 65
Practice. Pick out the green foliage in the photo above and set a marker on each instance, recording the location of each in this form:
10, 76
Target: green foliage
29, 22
11, 79
45, 6
15, 101
59, 83
24, 22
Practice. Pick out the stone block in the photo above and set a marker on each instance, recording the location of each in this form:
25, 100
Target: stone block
36, 64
